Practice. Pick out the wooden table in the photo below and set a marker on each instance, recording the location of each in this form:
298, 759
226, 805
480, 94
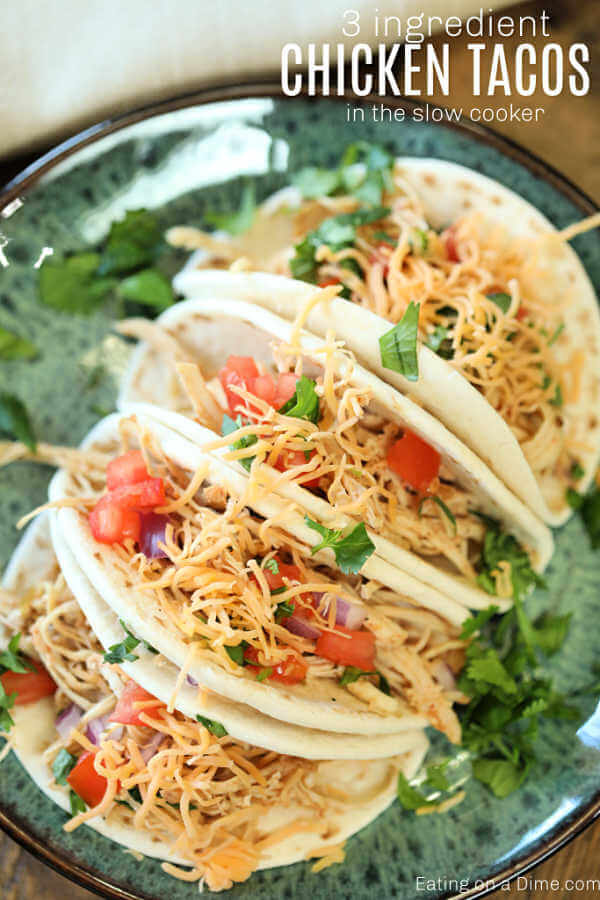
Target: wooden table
568, 137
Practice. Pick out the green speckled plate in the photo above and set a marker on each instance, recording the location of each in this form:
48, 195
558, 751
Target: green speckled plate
180, 158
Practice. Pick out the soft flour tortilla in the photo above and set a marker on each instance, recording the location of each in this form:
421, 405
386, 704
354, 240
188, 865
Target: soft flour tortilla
371, 784
242, 722
446, 192
323, 704
208, 331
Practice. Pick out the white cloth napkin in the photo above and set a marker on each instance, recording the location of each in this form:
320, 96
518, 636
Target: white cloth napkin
65, 65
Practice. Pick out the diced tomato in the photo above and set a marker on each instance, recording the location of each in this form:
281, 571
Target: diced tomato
291, 671
85, 781
285, 388
112, 524
130, 468
28, 686
327, 282
275, 579
415, 461
263, 387
451, 245
522, 313
350, 648
143, 496
288, 459
126, 712
239, 371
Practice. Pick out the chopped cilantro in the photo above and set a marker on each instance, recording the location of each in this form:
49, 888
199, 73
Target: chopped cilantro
236, 654
577, 471
149, 287
118, 653
238, 222
284, 610
12, 346
501, 299
214, 727
62, 765
557, 399
351, 550
470, 626
7, 701
590, 514
384, 238
409, 797
15, 422
132, 243
263, 673
313, 182
364, 171
498, 546
353, 673
557, 332
574, 498
228, 427
72, 285
418, 241
440, 342
77, 804
338, 232
11, 659
398, 346
438, 500
305, 403
272, 565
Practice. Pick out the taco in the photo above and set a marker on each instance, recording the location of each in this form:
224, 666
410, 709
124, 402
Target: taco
161, 783
503, 301
340, 442
229, 588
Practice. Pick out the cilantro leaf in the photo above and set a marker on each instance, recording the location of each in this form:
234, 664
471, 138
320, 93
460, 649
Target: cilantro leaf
133, 242
498, 546
214, 727
12, 661
351, 550
77, 804
438, 500
557, 399
118, 653
440, 342
228, 427
557, 332
62, 765
148, 287
502, 776
338, 232
574, 498
7, 701
590, 514
15, 422
577, 471
418, 241
313, 182
352, 674
475, 623
12, 346
398, 346
263, 673
501, 299
236, 654
238, 222
73, 285
305, 403
409, 797
284, 609
272, 565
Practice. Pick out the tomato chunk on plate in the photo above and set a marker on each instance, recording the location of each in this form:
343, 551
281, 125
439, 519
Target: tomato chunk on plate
85, 781
414, 461
289, 459
111, 523
127, 712
129, 468
350, 648
28, 686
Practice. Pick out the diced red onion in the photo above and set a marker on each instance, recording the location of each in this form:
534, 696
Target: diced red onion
151, 748
68, 719
153, 534
302, 627
444, 675
191, 681
95, 727
349, 615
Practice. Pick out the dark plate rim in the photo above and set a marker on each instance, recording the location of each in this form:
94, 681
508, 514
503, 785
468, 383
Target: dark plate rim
61, 861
